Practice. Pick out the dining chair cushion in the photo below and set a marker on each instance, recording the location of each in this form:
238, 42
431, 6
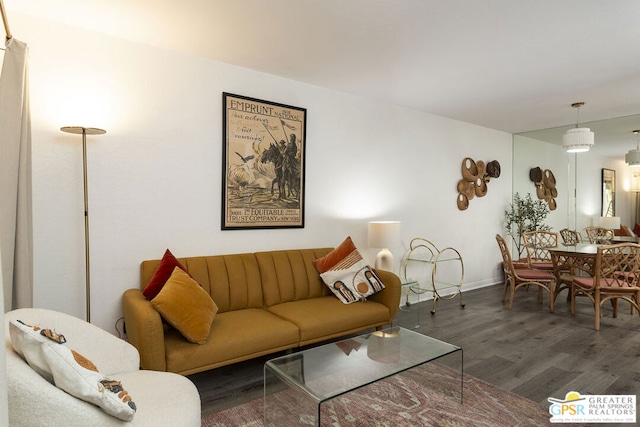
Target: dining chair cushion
542, 265
533, 274
605, 283
617, 287
584, 282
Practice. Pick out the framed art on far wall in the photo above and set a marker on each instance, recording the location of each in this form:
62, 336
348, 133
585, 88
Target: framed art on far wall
608, 192
263, 164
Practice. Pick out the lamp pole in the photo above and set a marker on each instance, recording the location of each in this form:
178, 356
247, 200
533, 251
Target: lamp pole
79, 130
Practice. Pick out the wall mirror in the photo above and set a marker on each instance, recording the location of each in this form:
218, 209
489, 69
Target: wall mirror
608, 192
580, 182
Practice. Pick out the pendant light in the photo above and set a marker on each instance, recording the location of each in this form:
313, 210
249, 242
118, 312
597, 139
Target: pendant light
578, 140
633, 156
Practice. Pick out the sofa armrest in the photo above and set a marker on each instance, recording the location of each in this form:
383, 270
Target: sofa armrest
390, 295
144, 330
110, 354
35, 401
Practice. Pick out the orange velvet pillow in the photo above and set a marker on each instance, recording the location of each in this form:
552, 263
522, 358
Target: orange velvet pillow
162, 274
335, 256
186, 306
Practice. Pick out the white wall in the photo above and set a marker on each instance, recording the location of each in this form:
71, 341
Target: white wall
155, 177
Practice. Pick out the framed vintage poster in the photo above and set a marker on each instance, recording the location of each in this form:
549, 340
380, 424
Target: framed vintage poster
263, 164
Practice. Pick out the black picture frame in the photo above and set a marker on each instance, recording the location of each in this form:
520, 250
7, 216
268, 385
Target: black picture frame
263, 164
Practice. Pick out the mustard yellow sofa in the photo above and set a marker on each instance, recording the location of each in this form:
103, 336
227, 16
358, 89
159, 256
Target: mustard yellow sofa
267, 302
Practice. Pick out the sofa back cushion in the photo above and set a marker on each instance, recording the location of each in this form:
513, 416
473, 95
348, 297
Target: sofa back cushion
233, 281
289, 275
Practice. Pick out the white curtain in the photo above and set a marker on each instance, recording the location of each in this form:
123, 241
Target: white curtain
16, 242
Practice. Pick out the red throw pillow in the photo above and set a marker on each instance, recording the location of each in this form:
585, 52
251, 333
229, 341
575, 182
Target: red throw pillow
636, 229
162, 274
335, 256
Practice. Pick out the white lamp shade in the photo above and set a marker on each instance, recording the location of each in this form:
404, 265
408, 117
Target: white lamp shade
385, 235
578, 140
610, 222
633, 158
635, 183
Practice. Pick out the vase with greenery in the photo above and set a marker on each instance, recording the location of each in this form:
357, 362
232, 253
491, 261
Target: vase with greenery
525, 214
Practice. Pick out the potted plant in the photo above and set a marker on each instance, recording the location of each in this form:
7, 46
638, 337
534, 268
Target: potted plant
525, 214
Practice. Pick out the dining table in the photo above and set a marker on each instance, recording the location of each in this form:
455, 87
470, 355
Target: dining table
571, 261
624, 239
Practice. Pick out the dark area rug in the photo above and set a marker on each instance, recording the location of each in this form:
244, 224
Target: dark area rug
424, 396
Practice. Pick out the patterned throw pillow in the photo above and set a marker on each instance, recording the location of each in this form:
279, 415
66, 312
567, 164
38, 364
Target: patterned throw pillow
335, 256
352, 279
45, 352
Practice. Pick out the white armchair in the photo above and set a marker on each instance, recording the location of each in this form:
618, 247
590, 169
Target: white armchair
161, 398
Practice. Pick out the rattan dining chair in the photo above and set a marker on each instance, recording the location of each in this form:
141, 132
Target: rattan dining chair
537, 244
517, 278
570, 237
599, 235
570, 263
617, 276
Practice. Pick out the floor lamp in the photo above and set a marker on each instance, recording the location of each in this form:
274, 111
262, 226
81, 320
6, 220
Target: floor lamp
78, 130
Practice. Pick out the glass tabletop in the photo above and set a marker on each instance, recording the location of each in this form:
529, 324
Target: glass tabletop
580, 248
329, 370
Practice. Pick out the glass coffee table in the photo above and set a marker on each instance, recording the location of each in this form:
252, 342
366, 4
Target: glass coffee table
297, 385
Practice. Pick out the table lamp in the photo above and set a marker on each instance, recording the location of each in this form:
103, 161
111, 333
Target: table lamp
384, 235
610, 222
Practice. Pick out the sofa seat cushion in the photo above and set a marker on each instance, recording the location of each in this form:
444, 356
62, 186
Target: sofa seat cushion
235, 336
326, 317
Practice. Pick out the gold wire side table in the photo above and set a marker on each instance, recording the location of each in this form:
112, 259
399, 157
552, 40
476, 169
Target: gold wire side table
440, 272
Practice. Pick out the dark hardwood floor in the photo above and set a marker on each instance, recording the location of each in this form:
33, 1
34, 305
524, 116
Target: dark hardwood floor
527, 350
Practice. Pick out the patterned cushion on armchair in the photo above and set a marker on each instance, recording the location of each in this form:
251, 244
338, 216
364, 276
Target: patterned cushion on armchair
161, 398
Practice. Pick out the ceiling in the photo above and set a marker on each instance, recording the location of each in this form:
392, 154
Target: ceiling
512, 65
